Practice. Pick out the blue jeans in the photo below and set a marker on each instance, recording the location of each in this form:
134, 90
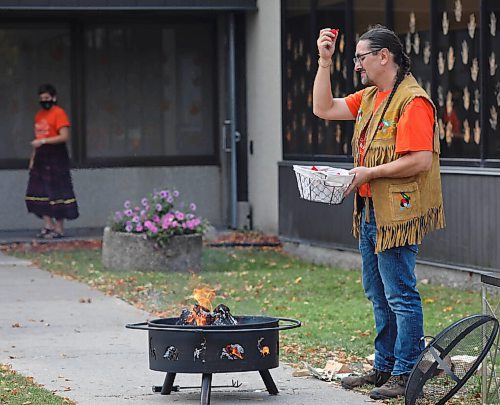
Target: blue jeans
390, 284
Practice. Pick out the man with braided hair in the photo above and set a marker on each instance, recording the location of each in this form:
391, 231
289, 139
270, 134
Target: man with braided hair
397, 189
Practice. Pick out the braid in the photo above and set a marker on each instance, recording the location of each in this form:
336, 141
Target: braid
403, 71
381, 37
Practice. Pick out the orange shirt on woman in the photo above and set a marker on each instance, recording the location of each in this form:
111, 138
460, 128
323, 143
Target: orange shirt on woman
415, 128
49, 122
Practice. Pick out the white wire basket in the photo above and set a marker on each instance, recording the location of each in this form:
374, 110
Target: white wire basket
325, 184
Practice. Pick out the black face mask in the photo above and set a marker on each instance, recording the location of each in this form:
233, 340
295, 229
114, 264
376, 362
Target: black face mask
46, 105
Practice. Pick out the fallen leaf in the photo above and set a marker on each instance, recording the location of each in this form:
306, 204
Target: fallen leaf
370, 359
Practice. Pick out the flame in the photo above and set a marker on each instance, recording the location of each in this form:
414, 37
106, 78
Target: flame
201, 313
204, 296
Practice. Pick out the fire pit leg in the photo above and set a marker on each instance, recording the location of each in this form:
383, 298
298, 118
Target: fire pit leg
206, 388
167, 384
269, 382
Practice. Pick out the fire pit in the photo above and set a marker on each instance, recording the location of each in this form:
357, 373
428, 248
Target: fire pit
252, 344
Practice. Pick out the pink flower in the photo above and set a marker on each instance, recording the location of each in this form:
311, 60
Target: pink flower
193, 223
156, 219
166, 221
179, 215
139, 228
151, 227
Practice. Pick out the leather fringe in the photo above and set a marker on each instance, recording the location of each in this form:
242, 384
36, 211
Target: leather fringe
356, 223
410, 232
380, 154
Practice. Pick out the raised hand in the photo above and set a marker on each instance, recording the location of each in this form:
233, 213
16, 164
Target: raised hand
326, 42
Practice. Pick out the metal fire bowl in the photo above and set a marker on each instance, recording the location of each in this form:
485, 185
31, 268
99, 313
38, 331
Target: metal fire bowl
208, 349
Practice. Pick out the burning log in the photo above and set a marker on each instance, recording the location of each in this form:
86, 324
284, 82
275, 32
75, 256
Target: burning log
185, 318
197, 316
223, 316
200, 315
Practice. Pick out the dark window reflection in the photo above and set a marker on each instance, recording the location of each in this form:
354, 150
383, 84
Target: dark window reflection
149, 90
30, 56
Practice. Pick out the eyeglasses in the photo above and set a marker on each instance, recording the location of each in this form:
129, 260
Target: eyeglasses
357, 58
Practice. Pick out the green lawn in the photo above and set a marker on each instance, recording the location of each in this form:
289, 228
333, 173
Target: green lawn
19, 390
335, 315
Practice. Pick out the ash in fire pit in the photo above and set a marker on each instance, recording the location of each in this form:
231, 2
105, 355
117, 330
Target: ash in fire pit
200, 315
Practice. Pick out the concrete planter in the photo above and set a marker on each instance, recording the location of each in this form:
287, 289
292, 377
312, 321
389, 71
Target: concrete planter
123, 251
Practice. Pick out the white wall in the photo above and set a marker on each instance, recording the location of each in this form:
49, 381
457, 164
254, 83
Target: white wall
100, 192
264, 112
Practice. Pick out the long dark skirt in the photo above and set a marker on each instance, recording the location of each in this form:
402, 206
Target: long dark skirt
50, 189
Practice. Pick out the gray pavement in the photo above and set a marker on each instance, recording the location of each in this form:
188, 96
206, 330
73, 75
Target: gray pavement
29, 236
82, 350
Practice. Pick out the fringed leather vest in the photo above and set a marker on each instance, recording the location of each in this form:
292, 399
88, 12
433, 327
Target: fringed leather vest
406, 209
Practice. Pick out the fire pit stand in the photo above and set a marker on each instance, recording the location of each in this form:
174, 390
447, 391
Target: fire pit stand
251, 345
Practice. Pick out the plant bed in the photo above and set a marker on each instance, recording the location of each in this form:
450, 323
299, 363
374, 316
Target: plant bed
123, 251
160, 234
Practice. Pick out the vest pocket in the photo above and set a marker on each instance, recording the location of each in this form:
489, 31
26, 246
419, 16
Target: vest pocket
404, 200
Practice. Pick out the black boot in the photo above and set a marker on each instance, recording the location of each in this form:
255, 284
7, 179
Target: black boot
373, 377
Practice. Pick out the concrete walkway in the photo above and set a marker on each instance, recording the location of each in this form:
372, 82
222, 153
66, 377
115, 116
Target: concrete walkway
79, 349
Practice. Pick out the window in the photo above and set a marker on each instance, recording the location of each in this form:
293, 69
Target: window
149, 90
492, 128
30, 57
412, 25
334, 137
443, 40
299, 65
457, 88
137, 93
306, 136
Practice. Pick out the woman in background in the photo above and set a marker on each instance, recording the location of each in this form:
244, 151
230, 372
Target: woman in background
50, 193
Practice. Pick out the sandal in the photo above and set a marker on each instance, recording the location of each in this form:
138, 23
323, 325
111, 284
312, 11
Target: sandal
56, 235
44, 233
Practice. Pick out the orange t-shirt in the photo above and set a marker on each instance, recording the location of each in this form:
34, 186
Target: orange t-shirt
49, 122
415, 128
